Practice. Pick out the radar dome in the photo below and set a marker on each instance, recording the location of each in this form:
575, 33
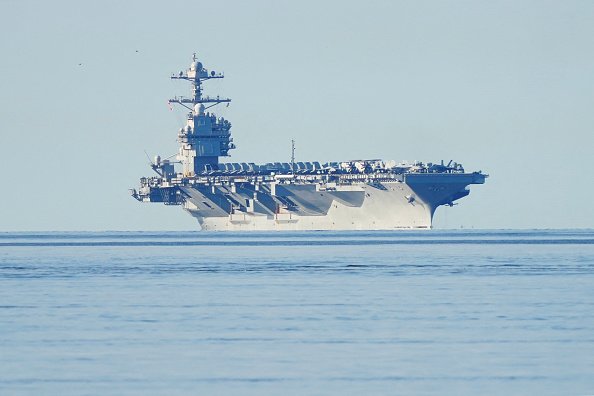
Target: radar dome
196, 66
199, 109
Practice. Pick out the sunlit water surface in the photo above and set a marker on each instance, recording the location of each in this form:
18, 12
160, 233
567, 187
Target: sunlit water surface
309, 313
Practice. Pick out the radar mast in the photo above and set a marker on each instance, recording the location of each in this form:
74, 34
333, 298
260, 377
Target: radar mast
205, 137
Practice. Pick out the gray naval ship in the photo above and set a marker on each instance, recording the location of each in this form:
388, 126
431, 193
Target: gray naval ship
347, 195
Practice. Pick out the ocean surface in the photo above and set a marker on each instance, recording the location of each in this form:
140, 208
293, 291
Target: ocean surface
461, 312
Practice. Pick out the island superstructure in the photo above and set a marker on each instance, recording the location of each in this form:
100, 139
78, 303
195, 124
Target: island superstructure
345, 195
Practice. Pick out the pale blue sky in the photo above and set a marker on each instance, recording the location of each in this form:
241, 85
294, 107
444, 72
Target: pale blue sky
504, 87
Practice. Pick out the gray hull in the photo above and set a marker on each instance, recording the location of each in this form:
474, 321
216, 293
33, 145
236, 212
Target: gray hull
356, 205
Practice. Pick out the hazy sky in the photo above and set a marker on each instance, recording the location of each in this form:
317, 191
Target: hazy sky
505, 87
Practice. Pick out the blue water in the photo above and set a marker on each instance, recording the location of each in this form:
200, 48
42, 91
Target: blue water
312, 313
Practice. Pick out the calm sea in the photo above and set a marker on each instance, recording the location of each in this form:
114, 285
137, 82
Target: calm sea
307, 313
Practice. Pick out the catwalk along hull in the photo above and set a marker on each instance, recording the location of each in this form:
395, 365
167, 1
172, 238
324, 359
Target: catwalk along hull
348, 195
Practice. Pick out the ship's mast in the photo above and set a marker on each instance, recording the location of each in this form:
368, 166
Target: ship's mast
205, 137
195, 75
292, 157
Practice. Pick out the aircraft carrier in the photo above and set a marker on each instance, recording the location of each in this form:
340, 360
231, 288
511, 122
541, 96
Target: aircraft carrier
345, 195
